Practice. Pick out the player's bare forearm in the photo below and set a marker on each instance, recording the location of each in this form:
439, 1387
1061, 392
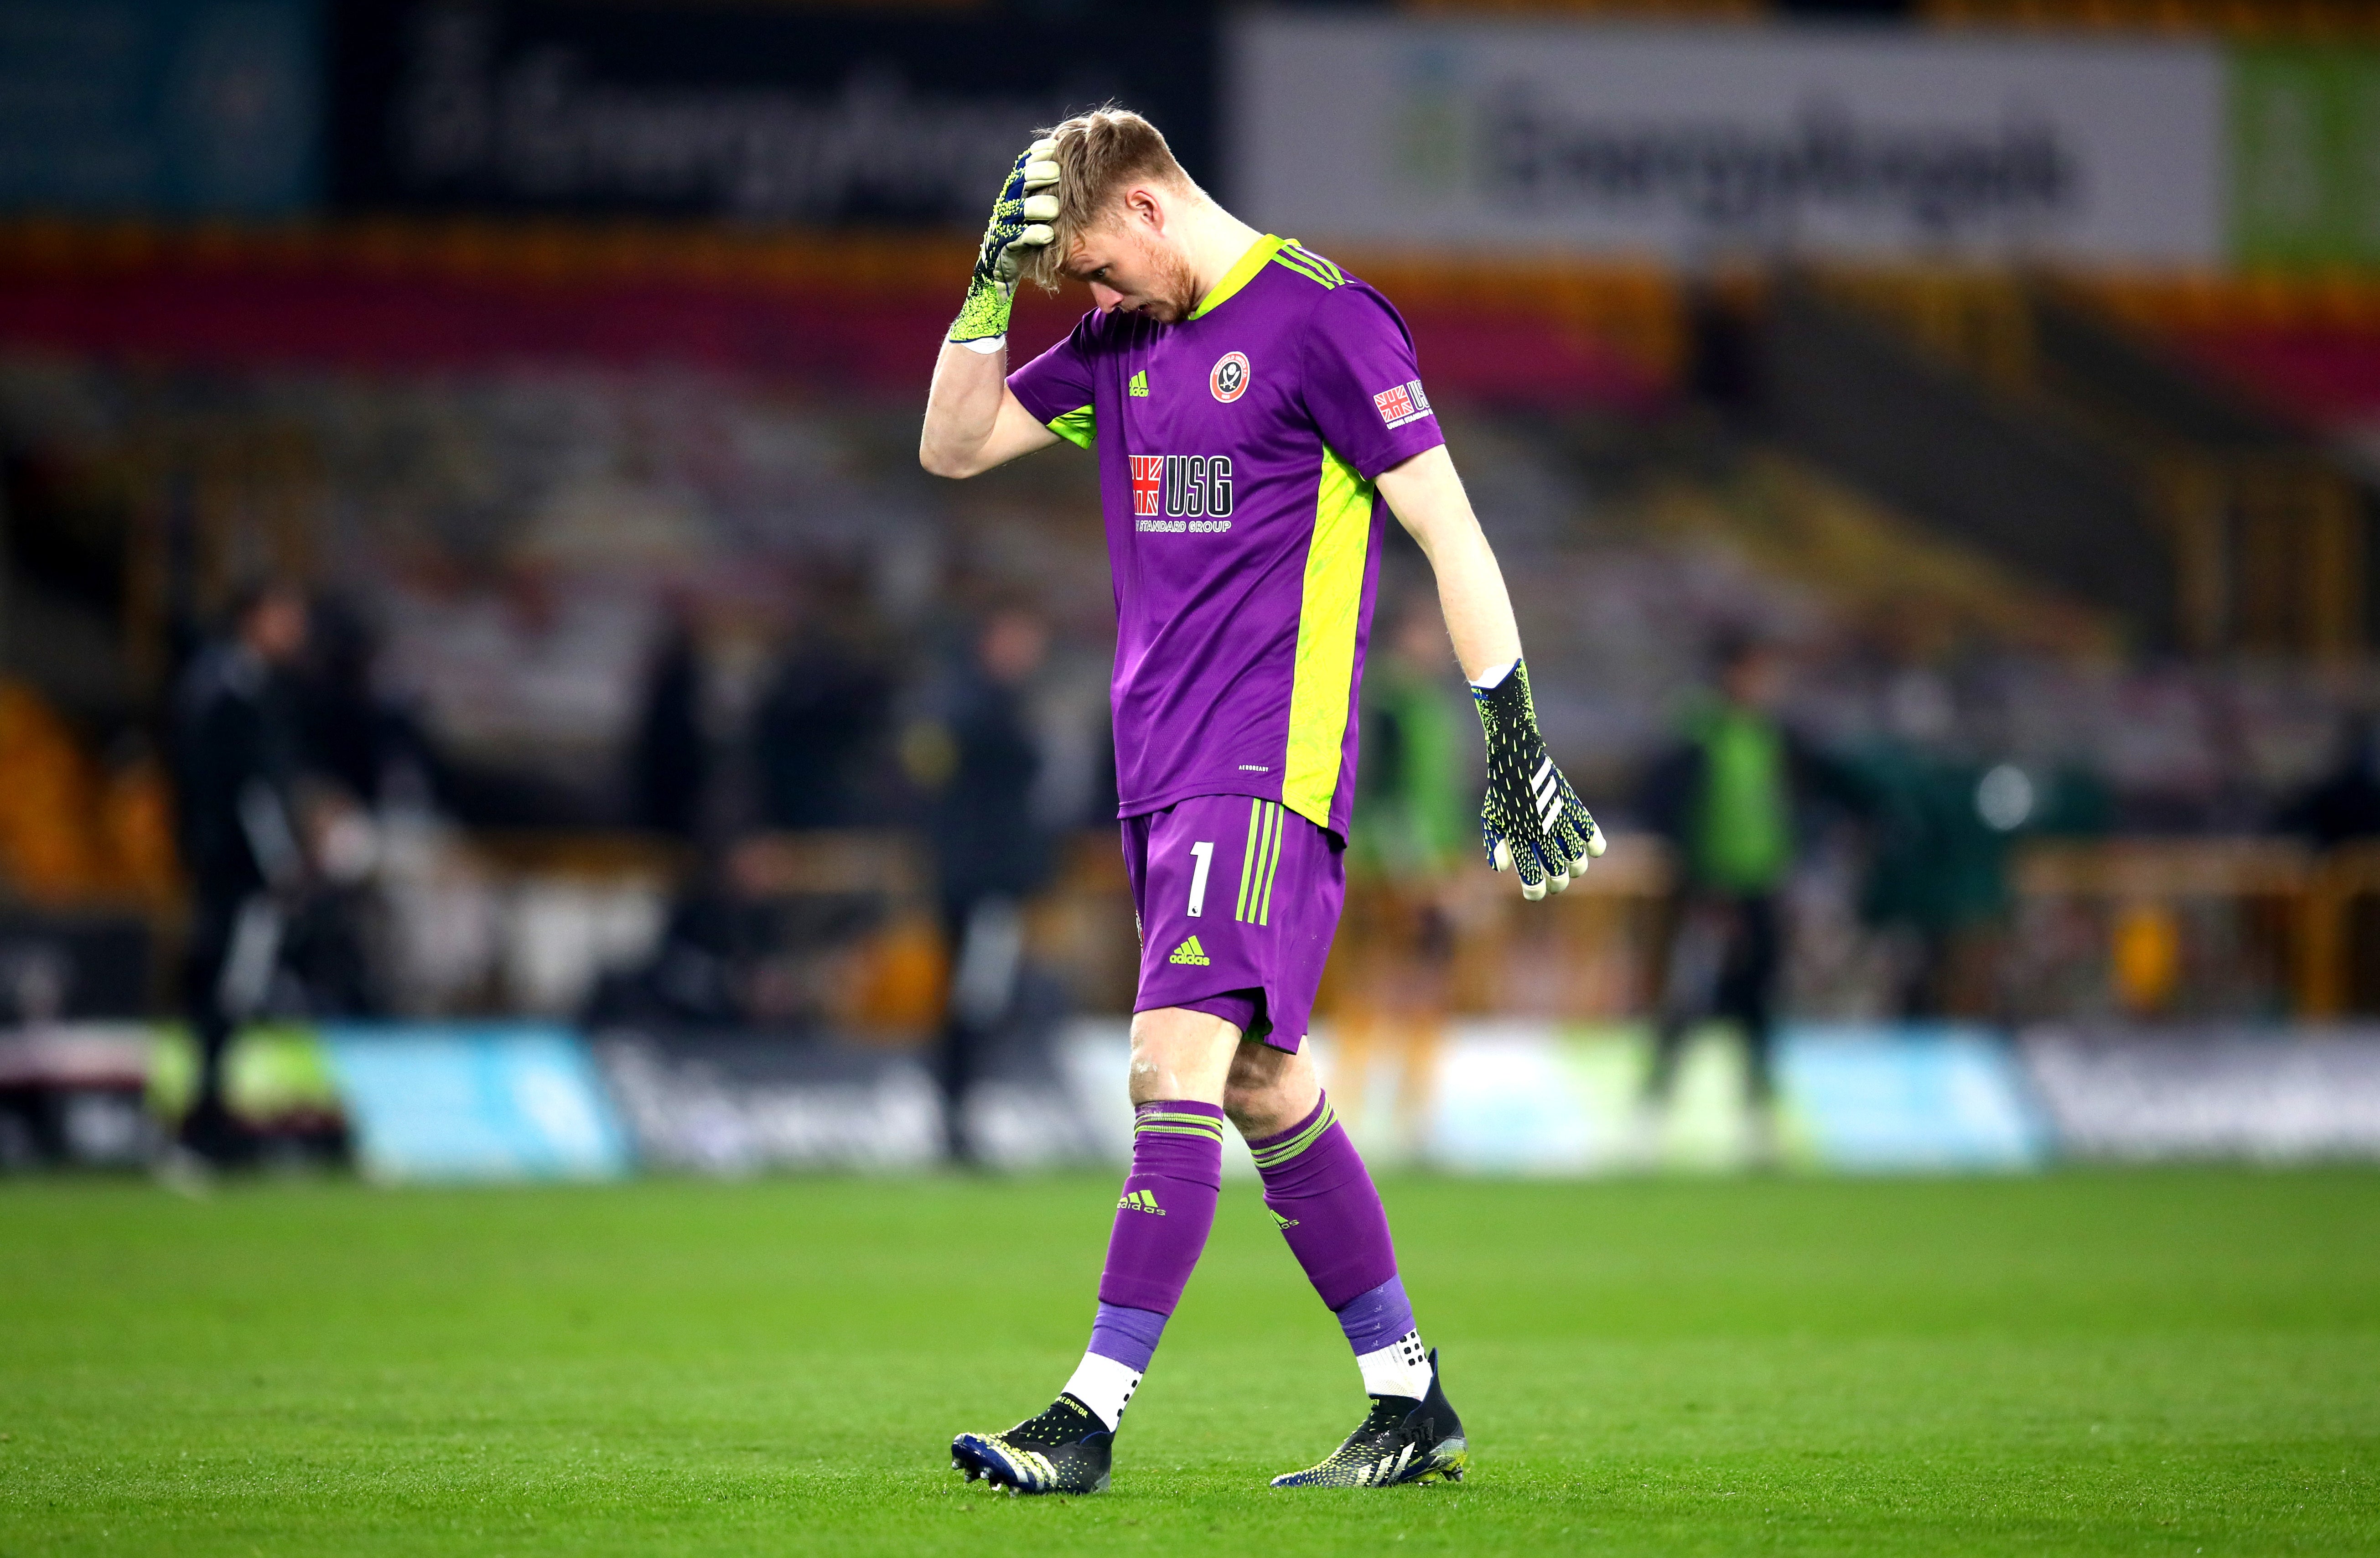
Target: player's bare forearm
973, 421
1532, 822
1427, 498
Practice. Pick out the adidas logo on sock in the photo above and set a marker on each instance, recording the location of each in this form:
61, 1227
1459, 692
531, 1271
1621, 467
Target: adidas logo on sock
1284, 1221
1139, 1201
1190, 952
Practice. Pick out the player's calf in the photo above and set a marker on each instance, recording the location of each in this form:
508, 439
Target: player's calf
1163, 1219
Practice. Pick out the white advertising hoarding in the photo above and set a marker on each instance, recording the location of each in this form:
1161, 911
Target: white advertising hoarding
1685, 143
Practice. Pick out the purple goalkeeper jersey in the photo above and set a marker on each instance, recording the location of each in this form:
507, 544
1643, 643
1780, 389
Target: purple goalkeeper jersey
1237, 454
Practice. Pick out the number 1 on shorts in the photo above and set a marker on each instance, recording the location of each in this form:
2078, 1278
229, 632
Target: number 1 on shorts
1204, 853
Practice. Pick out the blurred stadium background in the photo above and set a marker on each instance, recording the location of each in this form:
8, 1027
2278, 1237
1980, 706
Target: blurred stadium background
2011, 367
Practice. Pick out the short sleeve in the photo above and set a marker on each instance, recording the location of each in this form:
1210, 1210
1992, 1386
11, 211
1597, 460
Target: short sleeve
1056, 387
1362, 387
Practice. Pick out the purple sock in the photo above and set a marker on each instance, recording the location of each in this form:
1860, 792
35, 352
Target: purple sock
1129, 1337
1166, 1207
1378, 1319
1322, 1197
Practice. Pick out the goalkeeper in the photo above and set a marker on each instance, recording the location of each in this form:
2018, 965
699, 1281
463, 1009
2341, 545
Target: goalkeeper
1256, 413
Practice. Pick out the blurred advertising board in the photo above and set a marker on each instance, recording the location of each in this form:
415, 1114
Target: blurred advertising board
185, 107
1854, 1099
759, 112
734, 1103
1690, 143
1925, 1097
75, 1093
496, 1101
105, 1094
2273, 1095
1521, 1097
2305, 155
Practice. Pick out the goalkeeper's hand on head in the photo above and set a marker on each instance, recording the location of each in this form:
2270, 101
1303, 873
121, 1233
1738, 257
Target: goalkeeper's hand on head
1020, 224
1531, 821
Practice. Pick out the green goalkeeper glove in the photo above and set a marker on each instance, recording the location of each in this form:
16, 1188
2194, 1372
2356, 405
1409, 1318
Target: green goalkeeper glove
1531, 821
1020, 222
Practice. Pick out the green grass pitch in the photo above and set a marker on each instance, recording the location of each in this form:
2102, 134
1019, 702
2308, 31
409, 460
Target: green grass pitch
2154, 1362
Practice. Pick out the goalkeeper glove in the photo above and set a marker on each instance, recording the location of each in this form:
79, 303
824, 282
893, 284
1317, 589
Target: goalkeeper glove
1531, 820
1020, 222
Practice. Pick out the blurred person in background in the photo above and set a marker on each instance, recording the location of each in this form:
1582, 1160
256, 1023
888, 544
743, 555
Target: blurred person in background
819, 727
670, 766
1938, 826
2344, 804
973, 752
1410, 829
236, 755
1727, 799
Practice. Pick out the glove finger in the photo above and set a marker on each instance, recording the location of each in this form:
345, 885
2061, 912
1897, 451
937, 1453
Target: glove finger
1040, 208
1040, 175
1530, 869
1588, 829
1500, 854
1033, 237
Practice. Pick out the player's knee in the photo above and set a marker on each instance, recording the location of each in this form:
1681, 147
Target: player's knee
1255, 1094
1180, 1054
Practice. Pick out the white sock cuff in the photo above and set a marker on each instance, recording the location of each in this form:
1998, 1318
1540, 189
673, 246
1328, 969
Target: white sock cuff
1399, 1369
1493, 678
1105, 1386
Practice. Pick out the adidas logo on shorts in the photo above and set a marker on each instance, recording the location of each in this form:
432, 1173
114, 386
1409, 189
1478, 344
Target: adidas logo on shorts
1190, 952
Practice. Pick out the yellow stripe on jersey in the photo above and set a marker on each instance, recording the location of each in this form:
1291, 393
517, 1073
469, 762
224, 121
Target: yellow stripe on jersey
1324, 680
1337, 275
1079, 427
1312, 266
1242, 271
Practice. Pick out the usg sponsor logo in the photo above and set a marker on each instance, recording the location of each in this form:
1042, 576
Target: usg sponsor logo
1181, 487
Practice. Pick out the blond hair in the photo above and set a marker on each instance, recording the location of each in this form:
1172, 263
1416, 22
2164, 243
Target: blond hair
1098, 153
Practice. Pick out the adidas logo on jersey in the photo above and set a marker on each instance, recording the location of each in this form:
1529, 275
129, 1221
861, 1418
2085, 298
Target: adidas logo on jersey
1139, 1201
1138, 387
1190, 952
1182, 486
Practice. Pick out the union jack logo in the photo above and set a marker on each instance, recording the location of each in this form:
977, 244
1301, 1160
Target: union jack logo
1147, 483
1401, 404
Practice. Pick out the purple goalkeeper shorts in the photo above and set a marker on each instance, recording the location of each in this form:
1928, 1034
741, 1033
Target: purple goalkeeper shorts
1237, 899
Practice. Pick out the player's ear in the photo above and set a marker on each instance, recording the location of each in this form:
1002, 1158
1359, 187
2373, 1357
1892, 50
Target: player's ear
1141, 206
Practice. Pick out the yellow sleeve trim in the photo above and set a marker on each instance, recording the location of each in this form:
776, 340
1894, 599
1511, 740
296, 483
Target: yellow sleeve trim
1322, 688
1078, 427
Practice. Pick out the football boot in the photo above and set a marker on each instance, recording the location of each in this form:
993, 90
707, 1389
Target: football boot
1400, 1441
1065, 1450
